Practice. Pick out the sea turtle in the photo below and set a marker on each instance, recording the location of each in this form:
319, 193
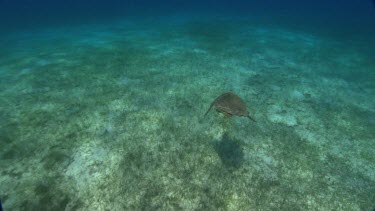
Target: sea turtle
230, 104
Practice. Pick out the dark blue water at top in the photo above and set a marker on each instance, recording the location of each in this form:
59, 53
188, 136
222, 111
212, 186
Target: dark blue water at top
345, 16
329, 10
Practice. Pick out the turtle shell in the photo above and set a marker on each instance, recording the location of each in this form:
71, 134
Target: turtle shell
230, 104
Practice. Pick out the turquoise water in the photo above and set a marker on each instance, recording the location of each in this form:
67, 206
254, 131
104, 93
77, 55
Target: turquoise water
109, 115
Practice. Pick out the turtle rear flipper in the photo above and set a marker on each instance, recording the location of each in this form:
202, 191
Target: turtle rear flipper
226, 114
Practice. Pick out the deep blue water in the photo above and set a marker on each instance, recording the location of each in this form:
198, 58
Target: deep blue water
350, 16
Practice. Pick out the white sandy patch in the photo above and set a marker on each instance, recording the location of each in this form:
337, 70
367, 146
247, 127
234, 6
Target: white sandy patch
278, 115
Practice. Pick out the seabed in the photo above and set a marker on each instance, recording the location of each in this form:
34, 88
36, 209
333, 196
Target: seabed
110, 117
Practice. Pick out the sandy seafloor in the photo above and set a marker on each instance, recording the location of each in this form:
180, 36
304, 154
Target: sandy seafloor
110, 117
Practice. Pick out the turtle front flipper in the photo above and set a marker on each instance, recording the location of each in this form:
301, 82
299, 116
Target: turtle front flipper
248, 116
212, 104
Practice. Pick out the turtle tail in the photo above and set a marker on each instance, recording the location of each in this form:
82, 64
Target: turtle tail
248, 116
212, 104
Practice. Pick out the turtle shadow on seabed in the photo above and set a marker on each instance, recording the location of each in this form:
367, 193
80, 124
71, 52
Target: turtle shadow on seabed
230, 152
